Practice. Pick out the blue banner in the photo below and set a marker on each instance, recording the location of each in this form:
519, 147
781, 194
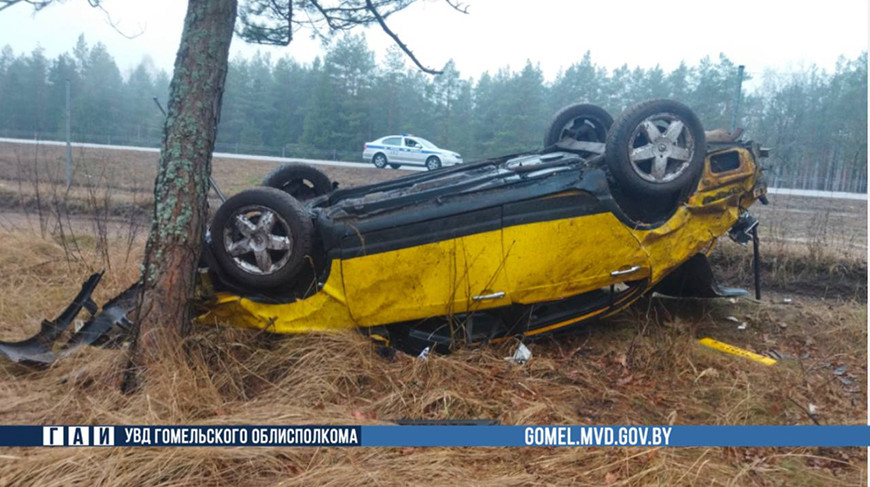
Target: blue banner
435, 435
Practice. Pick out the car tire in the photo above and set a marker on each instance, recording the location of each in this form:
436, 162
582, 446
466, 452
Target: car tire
379, 160
395, 166
656, 148
257, 254
581, 121
300, 181
433, 163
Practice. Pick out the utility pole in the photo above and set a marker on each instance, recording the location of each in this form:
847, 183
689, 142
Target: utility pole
737, 95
68, 141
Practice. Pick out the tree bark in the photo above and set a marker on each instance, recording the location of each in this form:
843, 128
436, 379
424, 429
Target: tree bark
181, 188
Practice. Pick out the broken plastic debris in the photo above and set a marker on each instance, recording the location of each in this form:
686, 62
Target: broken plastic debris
521, 356
424, 354
840, 370
786, 300
811, 409
741, 326
733, 350
732, 300
732, 318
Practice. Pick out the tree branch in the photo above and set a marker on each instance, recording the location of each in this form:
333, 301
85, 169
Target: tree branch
323, 12
115, 25
398, 41
458, 6
40, 4
267, 22
37, 4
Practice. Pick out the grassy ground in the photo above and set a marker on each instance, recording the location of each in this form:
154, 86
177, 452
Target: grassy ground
644, 366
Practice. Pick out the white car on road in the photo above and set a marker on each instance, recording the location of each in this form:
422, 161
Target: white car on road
399, 150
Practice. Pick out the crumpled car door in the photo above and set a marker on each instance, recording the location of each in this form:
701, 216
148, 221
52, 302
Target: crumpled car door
433, 268
567, 244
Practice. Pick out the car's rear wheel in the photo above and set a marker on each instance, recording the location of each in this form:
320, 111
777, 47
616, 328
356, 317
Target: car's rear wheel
580, 122
300, 181
379, 160
656, 148
395, 166
433, 163
260, 237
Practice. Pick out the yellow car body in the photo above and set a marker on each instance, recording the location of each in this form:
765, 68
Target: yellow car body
554, 246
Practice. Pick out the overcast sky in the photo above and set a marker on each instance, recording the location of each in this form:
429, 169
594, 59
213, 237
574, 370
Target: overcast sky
762, 34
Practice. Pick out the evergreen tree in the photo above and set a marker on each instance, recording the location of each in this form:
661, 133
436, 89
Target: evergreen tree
816, 121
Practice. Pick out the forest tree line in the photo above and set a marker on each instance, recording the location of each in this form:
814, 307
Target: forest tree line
815, 121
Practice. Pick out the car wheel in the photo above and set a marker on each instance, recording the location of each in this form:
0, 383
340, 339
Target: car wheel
581, 122
433, 163
300, 181
656, 148
395, 166
260, 237
379, 160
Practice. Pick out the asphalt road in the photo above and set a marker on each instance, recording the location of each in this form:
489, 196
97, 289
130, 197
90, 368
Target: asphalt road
320, 162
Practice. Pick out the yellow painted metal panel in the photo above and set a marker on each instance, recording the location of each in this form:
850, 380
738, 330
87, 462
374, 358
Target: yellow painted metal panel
433, 279
562, 258
671, 244
480, 265
324, 311
737, 351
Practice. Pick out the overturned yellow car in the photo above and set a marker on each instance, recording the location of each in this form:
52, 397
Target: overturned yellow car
520, 245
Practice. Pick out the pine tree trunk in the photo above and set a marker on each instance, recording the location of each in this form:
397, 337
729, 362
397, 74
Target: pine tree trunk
182, 184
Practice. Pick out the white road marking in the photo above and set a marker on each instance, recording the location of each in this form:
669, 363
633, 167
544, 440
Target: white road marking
814, 193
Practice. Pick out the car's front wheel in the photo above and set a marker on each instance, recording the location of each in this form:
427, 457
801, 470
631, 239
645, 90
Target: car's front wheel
656, 148
379, 160
433, 163
260, 237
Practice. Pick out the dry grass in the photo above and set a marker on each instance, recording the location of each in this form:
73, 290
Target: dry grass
793, 270
816, 228
641, 367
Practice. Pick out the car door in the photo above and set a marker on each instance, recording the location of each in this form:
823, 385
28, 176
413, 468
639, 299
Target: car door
413, 152
432, 268
567, 244
391, 147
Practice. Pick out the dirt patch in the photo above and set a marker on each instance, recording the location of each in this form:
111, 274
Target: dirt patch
820, 228
128, 170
